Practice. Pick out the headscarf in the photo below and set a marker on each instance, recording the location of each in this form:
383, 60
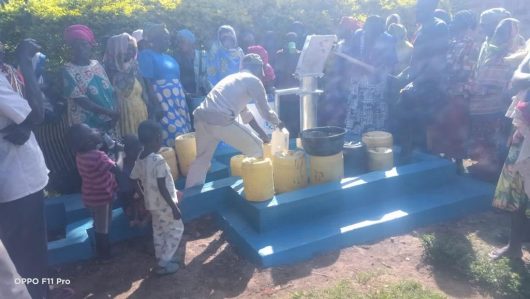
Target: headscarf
226, 29
186, 35
138, 35
463, 20
398, 31
489, 19
221, 61
122, 74
79, 32
443, 15
267, 68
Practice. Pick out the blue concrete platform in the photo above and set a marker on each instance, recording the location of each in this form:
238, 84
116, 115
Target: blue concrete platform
295, 226
367, 222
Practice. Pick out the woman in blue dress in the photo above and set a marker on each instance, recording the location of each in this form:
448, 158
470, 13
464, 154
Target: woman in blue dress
162, 75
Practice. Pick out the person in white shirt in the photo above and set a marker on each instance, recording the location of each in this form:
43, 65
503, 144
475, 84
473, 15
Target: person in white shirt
23, 175
215, 119
160, 197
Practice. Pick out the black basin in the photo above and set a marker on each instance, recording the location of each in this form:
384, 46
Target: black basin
323, 141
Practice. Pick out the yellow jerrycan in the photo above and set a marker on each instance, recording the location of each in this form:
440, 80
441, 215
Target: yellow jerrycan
236, 163
290, 171
380, 158
257, 179
171, 159
326, 169
186, 149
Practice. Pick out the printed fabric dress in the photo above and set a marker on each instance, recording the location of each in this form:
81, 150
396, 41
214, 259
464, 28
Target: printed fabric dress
163, 72
90, 82
367, 109
511, 194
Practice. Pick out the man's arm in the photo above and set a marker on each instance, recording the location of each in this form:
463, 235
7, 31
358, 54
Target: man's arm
261, 133
257, 92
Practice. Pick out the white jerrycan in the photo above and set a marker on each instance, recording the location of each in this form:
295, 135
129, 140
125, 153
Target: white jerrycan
279, 141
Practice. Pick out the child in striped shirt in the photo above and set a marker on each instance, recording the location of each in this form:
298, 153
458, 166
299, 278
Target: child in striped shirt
99, 184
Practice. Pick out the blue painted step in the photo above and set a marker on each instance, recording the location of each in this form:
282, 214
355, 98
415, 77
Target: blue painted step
301, 241
217, 171
348, 195
120, 229
76, 246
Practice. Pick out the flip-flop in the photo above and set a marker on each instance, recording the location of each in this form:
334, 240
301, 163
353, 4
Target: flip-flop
170, 268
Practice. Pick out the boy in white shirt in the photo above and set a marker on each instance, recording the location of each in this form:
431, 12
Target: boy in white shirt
160, 197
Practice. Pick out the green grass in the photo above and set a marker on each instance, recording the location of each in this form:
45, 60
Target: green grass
346, 290
458, 254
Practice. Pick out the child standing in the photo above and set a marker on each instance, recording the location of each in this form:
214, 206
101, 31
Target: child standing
98, 182
129, 193
160, 196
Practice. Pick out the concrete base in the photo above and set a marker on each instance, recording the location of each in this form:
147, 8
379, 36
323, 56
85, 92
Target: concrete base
295, 226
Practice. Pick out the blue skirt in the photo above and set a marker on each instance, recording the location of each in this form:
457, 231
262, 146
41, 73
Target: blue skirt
176, 119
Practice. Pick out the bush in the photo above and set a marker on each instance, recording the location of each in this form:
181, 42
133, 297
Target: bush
45, 20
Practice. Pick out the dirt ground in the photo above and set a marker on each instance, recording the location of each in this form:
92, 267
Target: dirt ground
214, 270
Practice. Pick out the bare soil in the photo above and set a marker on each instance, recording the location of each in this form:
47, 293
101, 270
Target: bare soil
213, 269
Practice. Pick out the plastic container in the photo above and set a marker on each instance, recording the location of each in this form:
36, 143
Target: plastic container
290, 171
378, 139
323, 141
354, 157
186, 149
279, 141
258, 180
380, 158
299, 143
235, 165
326, 169
171, 159
267, 150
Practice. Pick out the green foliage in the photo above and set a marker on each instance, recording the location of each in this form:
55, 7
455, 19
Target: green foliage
346, 290
45, 20
456, 253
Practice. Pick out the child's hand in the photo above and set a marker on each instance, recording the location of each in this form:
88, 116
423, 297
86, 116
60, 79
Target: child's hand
176, 213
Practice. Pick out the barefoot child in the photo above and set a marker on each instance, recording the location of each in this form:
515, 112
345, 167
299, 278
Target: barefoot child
129, 194
160, 197
99, 185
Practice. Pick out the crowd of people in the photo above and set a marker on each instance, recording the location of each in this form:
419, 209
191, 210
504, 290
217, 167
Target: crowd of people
456, 87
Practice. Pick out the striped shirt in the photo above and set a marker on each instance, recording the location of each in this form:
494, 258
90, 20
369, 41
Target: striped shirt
99, 183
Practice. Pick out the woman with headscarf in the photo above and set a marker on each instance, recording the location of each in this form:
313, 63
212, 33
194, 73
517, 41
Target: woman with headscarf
224, 56
90, 95
367, 109
270, 76
491, 98
513, 188
162, 75
393, 19
449, 134
403, 47
122, 69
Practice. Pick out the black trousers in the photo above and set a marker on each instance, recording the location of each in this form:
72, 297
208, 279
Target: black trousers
23, 232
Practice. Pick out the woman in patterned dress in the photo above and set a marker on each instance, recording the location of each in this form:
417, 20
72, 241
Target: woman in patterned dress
162, 75
513, 189
449, 133
367, 108
90, 95
122, 68
225, 55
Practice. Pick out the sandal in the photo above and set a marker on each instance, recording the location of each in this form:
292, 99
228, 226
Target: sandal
170, 268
